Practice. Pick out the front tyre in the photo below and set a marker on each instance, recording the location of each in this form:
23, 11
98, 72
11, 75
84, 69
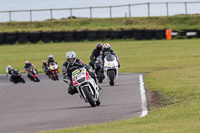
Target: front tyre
37, 79
111, 77
89, 96
56, 76
22, 80
100, 78
98, 102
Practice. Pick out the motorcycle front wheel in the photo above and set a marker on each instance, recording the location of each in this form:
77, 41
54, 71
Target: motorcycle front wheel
89, 96
37, 79
22, 80
56, 76
100, 77
111, 77
98, 102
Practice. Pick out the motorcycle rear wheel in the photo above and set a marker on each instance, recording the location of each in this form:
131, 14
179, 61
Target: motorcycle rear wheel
89, 96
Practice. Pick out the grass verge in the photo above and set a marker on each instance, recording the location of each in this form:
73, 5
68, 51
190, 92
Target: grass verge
173, 22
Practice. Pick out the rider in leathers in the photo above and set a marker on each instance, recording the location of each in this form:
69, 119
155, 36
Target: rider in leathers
50, 60
95, 53
70, 65
28, 66
106, 50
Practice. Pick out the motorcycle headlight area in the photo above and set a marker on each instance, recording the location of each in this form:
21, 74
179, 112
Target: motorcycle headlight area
51, 68
81, 80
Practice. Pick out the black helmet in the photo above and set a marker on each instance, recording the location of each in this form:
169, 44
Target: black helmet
99, 46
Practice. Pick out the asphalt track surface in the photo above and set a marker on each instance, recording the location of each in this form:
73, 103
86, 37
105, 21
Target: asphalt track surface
46, 105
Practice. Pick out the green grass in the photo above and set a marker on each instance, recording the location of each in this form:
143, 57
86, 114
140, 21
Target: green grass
172, 22
173, 69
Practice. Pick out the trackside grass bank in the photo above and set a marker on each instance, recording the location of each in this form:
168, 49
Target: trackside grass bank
173, 22
173, 69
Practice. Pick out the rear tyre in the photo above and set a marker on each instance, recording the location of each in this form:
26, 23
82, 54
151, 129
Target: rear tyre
111, 77
89, 96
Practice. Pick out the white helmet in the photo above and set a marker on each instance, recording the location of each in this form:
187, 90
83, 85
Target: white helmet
9, 67
106, 47
50, 56
69, 56
26, 62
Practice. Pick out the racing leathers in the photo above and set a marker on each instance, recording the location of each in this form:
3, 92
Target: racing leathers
67, 70
28, 66
95, 54
50, 61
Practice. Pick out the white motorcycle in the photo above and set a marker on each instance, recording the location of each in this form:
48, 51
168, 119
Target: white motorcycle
86, 86
111, 68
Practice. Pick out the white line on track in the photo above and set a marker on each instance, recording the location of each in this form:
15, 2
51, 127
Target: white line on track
143, 97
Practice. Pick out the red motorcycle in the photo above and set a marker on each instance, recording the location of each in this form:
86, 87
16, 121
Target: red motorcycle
33, 75
53, 68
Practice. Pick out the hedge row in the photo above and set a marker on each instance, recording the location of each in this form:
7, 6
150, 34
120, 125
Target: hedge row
24, 37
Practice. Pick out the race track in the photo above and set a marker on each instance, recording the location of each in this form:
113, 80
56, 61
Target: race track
46, 105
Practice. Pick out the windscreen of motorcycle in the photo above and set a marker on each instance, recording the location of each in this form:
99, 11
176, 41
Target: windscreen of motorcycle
53, 66
110, 57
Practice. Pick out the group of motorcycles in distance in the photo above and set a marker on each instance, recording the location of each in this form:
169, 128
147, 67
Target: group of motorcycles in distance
110, 71
16, 77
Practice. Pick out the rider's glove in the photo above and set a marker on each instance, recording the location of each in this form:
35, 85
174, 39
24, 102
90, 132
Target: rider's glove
119, 65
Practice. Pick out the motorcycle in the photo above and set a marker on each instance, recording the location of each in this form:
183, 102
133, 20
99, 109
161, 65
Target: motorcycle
16, 77
86, 86
33, 75
97, 68
53, 68
111, 68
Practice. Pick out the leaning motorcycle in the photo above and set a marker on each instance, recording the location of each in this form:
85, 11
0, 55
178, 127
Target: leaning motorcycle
86, 86
53, 68
111, 68
33, 75
16, 77
97, 68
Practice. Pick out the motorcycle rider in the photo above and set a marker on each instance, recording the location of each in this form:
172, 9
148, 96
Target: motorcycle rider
50, 60
70, 65
95, 53
9, 70
28, 66
106, 50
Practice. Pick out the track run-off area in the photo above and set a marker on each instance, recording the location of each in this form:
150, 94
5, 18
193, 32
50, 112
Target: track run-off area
46, 105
